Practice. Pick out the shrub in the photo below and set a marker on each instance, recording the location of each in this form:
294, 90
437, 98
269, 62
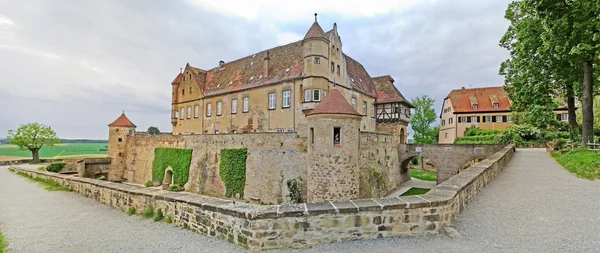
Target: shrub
476, 131
178, 158
42, 168
56, 167
158, 215
175, 187
232, 169
167, 219
148, 184
415, 160
101, 177
148, 211
295, 189
131, 211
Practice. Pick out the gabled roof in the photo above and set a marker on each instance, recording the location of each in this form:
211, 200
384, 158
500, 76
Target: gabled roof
177, 79
359, 77
387, 91
463, 99
334, 103
315, 31
122, 121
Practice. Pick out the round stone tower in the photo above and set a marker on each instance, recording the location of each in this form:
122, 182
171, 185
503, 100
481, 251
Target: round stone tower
333, 172
118, 133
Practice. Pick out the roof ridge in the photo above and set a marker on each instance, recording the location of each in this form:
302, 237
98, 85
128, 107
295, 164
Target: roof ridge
250, 55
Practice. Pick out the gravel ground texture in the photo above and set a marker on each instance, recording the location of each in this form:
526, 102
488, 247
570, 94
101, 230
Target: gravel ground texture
534, 205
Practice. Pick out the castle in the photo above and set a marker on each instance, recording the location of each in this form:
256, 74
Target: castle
304, 110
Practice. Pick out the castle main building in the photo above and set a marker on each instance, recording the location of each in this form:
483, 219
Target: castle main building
274, 90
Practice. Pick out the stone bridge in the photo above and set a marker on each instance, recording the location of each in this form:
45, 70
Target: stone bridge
447, 158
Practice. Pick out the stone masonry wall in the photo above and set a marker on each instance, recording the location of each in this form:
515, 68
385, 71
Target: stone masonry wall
273, 158
258, 227
379, 166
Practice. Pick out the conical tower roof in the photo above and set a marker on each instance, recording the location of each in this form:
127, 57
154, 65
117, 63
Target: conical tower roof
122, 121
315, 30
334, 103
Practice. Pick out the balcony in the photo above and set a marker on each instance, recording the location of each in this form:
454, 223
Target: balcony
306, 106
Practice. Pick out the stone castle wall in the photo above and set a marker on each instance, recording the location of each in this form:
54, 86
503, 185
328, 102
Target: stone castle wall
379, 165
273, 158
259, 227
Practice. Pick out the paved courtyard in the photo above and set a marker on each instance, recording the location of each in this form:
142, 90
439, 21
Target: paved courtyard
532, 206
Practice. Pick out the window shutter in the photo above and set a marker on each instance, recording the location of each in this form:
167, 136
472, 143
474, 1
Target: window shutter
493, 118
459, 119
468, 119
504, 119
478, 120
558, 117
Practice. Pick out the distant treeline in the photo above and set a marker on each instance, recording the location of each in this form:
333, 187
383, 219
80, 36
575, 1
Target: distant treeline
3, 141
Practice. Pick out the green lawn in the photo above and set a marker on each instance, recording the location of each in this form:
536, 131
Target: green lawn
3, 242
415, 191
67, 149
423, 175
581, 162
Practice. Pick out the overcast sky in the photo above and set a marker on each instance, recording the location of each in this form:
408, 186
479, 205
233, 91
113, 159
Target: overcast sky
75, 65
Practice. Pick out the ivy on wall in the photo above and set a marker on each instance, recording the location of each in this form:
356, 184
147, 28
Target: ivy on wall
232, 169
178, 158
295, 189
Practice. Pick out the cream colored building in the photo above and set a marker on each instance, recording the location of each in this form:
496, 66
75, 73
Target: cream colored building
273, 90
486, 108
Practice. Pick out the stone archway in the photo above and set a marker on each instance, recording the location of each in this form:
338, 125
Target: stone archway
168, 178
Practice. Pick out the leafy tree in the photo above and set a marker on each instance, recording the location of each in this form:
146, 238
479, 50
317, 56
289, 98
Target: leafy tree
424, 115
152, 130
554, 47
33, 136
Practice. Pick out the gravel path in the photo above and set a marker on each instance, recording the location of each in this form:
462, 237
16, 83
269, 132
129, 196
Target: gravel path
532, 206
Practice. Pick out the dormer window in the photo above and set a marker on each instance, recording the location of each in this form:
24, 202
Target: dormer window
495, 105
474, 106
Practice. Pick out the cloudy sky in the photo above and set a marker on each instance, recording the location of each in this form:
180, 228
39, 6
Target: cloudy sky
75, 65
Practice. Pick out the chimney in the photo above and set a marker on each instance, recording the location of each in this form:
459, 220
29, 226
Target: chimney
266, 65
335, 27
221, 63
462, 88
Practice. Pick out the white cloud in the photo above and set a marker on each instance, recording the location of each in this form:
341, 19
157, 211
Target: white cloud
285, 38
276, 10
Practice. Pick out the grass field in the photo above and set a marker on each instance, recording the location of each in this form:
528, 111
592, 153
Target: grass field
581, 162
423, 175
58, 151
415, 191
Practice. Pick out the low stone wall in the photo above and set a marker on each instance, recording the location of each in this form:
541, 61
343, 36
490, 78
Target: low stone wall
259, 227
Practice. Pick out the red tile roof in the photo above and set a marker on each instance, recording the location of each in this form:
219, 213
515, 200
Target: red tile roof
463, 99
334, 103
177, 79
359, 77
122, 121
387, 91
315, 31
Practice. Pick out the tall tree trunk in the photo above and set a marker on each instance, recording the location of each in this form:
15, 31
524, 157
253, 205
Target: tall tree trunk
36, 155
571, 107
587, 103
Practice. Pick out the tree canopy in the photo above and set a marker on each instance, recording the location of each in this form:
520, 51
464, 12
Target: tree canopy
33, 136
422, 118
152, 130
553, 48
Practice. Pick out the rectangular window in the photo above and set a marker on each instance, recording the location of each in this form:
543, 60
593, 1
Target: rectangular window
337, 136
474, 119
234, 106
508, 118
120, 139
182, 113
219, 108
182, 92
271, 100
317, 60
564, 117
286, 99
364, 108
495, 105
443, 122
338, 70
354, 103
312, 135
487, 119
323, 93
373, 110
450, 120
498, 118
189, 112
306, 95
195, 111
245, 102
316, 95
208, 110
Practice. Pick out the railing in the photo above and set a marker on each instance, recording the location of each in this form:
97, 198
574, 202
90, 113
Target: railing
593, 146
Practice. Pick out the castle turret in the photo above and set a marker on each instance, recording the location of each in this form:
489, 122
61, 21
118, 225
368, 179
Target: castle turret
174, 96
118, 132
333, 172
315, 46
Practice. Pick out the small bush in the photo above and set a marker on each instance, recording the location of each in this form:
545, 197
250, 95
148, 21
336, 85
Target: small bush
42, 168
167, 219
415, 160
101, 177
158, 215
148, 211
131, 211
56, 167
295, 189
148, 184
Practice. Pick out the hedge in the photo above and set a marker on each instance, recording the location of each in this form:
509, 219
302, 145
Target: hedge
477, 139
178, 158
232, 169
55, 167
